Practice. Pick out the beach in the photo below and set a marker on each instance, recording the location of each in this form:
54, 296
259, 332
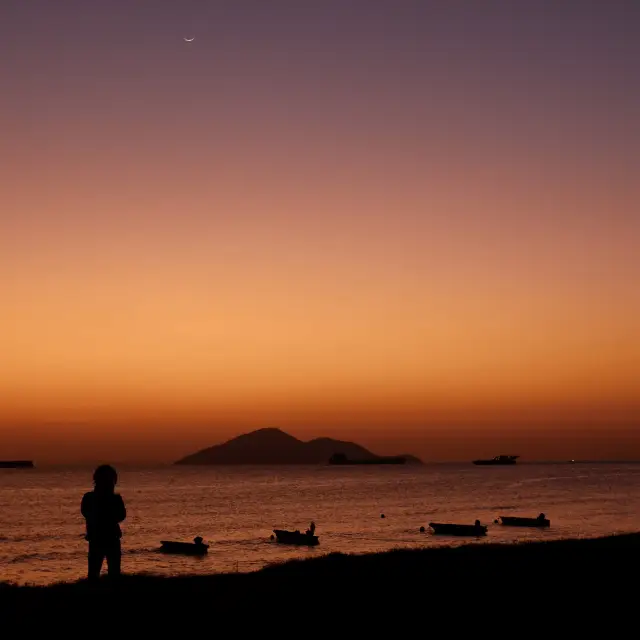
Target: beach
570, 583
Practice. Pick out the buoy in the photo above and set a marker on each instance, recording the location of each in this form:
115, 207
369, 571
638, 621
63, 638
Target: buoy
496, 521
382, 515
422, 529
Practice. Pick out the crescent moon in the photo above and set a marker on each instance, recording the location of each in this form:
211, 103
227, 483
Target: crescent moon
188, 39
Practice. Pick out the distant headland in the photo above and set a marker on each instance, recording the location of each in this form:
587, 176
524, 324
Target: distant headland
274, 446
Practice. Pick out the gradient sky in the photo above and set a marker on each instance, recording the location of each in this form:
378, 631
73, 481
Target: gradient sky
414, 223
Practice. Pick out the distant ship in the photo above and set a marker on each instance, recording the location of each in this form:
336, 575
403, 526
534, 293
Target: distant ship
498, 460
340, 458
16, 464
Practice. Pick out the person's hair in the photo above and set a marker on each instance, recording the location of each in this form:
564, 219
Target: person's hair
104, 475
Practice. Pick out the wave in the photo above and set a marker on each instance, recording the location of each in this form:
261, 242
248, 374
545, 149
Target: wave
71, 553
545, 479
137, 551
29, 557
239, 542
37, 537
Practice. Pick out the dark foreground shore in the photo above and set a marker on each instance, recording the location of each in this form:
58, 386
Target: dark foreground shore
579, 584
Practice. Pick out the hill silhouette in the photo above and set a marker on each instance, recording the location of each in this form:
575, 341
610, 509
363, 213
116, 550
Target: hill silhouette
274, 446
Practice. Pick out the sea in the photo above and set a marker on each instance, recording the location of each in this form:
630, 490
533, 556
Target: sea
235, 510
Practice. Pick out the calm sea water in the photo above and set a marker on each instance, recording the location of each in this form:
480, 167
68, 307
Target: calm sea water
235, 510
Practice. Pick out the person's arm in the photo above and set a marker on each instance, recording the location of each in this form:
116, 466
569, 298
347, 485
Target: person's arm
121, 511
84, 505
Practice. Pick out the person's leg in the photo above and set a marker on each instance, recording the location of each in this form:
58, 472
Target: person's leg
114, 559
96, 557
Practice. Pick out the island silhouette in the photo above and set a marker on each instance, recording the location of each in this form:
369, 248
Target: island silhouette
273, 446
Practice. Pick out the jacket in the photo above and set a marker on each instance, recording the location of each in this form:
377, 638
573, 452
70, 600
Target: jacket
103, 513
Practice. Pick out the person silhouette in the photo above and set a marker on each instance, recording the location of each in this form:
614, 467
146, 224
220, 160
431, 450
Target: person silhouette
103, 510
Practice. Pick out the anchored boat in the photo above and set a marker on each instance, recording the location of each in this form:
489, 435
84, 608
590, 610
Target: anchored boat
16, 464
340, 458
498, 460
195, 548
295, 537
516, 521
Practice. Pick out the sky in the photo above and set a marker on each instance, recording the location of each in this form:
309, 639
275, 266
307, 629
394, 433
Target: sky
411, 223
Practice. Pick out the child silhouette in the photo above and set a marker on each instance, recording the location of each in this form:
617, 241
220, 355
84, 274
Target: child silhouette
103, 510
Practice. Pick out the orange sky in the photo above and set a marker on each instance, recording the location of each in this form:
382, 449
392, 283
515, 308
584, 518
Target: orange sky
439, 259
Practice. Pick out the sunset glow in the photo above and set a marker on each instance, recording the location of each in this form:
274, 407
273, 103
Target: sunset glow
417, 228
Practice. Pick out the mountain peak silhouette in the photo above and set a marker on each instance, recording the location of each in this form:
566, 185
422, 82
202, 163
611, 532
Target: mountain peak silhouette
272, 434
273, 446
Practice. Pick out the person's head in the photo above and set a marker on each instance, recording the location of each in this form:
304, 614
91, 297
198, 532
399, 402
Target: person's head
105, 478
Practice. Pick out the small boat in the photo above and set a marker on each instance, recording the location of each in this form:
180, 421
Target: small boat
459, 529
195, 548
497, 461
514, 521
340, 458
16, 464
295, 537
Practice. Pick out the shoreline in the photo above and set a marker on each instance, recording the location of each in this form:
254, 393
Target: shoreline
491, 575
471, 551
438, 553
